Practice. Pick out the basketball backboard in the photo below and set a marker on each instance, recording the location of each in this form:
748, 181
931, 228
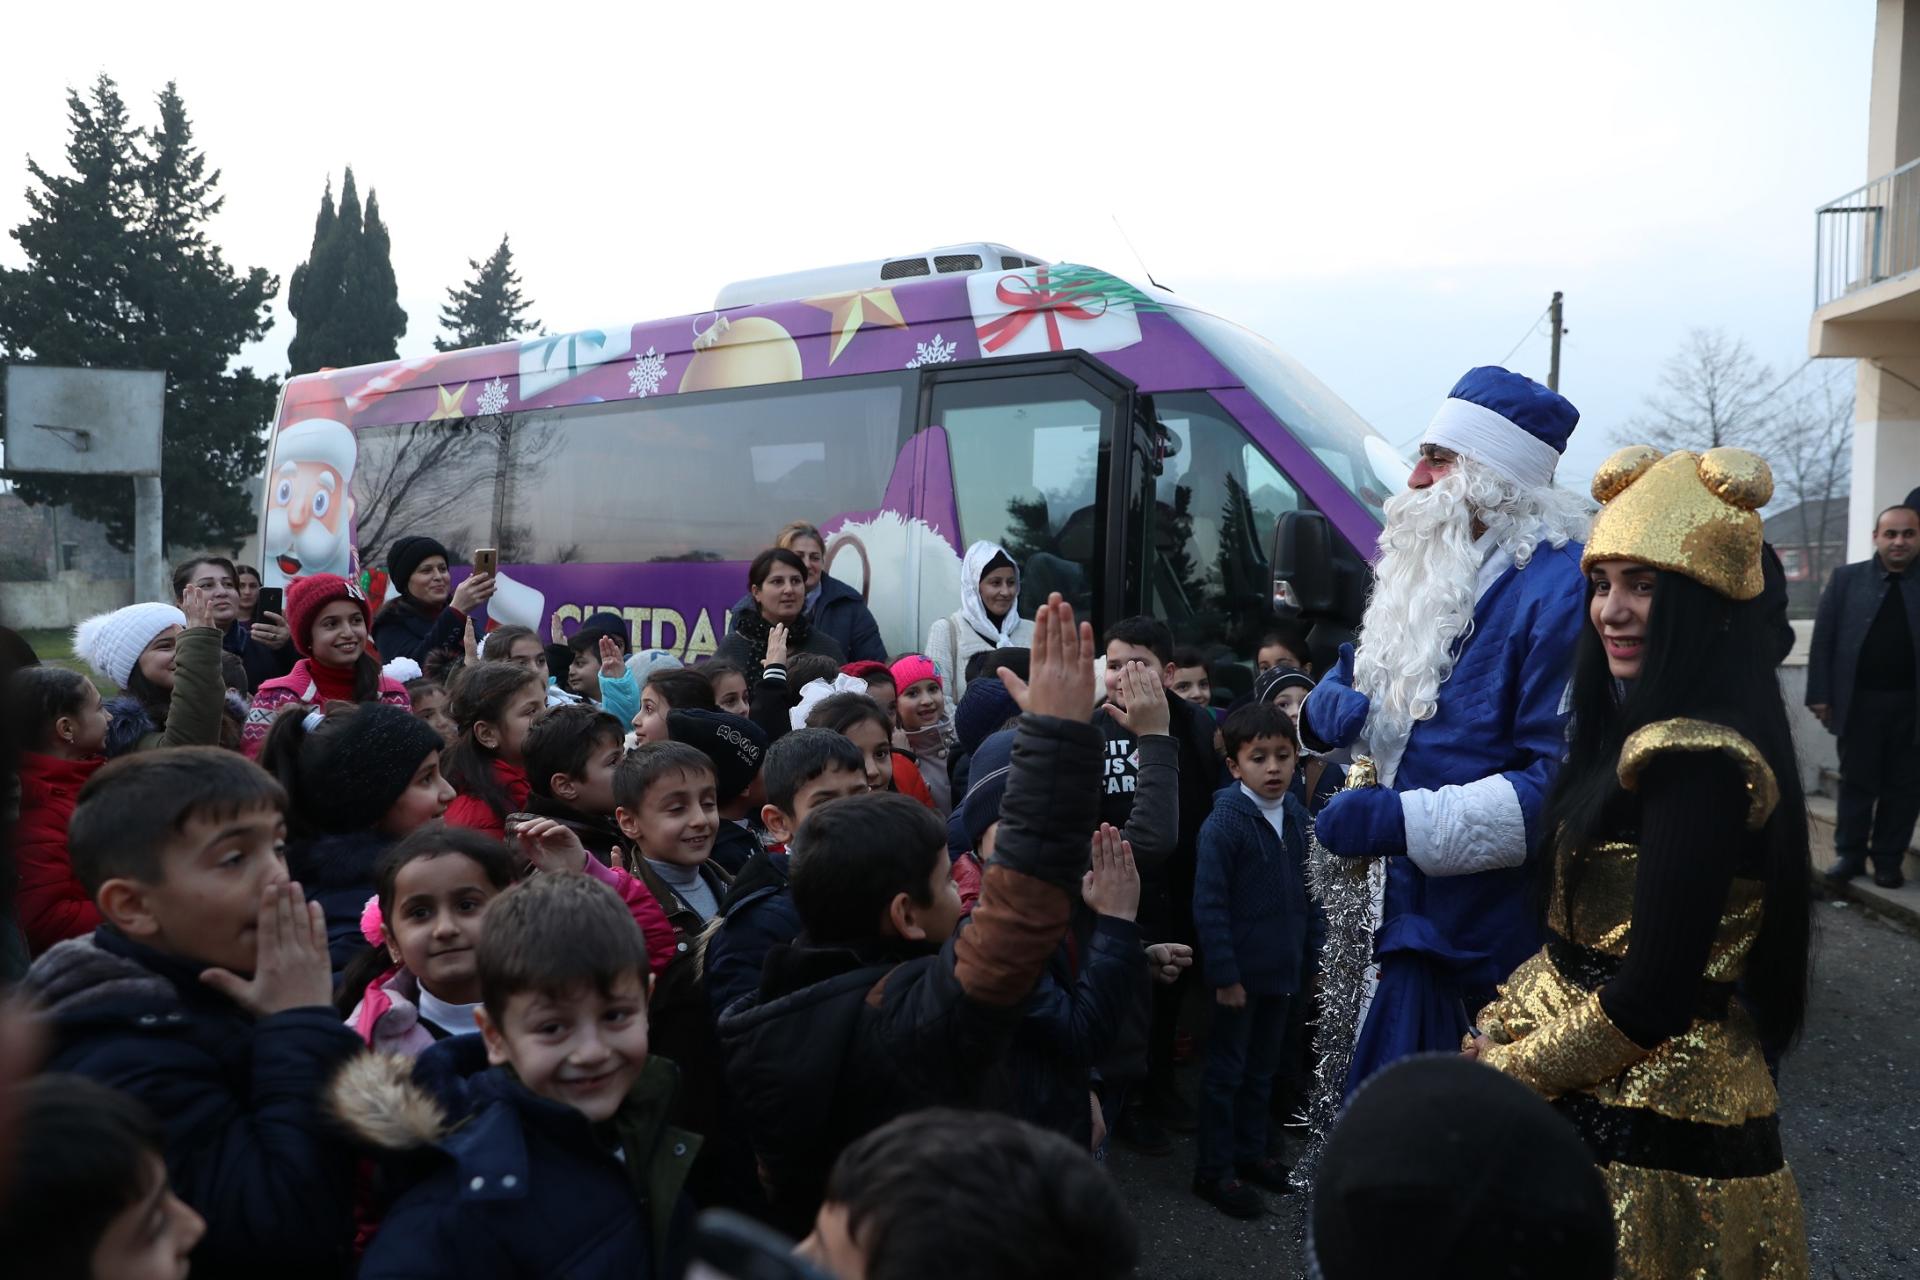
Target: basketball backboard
84, 421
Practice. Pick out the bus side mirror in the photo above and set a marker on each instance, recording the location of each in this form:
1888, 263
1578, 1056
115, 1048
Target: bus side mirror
1302, 560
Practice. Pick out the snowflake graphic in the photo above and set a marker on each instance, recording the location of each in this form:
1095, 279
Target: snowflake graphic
934, 352
648, 372
493, 397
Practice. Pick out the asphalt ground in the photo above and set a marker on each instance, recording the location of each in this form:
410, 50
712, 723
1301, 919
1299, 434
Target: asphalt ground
1850, 1097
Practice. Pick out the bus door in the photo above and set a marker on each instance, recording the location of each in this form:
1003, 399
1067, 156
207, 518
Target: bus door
1049, 459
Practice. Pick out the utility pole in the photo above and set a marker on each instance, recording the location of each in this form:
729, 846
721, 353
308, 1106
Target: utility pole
1553, 322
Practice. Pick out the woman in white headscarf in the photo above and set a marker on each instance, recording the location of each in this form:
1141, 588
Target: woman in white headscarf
988, 617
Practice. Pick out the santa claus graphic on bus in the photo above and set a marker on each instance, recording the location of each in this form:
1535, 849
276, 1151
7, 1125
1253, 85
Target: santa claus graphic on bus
309, 509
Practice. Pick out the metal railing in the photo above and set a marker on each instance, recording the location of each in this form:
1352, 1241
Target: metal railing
1868, 235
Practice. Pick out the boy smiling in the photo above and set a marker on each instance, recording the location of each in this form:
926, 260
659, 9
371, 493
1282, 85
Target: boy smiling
564, 1164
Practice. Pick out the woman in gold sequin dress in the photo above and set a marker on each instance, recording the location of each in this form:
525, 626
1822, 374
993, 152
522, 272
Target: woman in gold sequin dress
1677, 911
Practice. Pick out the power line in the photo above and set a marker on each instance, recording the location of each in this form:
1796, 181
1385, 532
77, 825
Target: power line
1533, 330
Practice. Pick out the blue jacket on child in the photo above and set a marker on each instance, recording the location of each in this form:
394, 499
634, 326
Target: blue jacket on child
519, 1186
248, 1142
1255, 923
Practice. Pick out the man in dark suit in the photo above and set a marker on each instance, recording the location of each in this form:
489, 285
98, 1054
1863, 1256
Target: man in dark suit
1862, 679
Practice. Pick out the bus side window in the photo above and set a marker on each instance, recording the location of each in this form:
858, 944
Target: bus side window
1218, 498
1027, 474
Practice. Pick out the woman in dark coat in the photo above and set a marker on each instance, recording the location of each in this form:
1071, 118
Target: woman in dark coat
427, 614
776, 597
832, 607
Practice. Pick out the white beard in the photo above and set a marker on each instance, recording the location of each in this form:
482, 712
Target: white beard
316, 547
1427, 583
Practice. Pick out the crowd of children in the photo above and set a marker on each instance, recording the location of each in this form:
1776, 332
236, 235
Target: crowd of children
629, 938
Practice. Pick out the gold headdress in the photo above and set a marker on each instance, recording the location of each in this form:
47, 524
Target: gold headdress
1689, 512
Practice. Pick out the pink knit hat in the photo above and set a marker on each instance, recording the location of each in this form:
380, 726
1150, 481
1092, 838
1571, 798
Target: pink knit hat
912, 669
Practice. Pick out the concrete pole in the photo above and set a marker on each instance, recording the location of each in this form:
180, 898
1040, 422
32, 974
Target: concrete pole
149, 546
1554, 316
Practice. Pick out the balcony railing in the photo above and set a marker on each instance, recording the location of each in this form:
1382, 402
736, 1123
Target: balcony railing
1868, 235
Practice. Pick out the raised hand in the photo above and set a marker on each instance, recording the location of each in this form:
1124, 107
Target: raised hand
1111, 886
291, 969
197, 604
1168, 960
613, 663
776, 646
550, 845
1335, 712
470, 644
474, 592
1060, 673
1146, 712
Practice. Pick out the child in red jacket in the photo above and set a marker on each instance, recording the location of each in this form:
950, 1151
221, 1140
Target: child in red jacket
494, 704
61, 725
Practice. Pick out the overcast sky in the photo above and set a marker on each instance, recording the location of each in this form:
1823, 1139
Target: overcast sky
1389, 191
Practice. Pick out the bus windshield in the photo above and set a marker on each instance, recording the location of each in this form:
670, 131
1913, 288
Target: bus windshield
1361, 459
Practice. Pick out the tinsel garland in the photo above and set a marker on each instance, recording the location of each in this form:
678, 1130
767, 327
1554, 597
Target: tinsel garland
1345, 889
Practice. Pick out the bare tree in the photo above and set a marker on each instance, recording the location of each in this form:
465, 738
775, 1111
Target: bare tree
1809, 443
1712, 393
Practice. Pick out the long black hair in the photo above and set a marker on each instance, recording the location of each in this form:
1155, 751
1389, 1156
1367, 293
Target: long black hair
481, 694
1710, 658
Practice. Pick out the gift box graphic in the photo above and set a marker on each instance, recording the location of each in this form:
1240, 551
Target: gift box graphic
545, 363
1019, 313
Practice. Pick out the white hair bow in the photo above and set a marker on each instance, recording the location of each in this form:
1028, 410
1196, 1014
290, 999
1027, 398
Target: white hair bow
817, 691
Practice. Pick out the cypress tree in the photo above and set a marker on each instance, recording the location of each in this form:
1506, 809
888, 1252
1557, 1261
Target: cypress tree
121, 274
344, 297
487, 309
313, 294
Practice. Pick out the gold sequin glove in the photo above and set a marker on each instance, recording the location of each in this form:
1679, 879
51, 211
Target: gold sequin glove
1581, 1048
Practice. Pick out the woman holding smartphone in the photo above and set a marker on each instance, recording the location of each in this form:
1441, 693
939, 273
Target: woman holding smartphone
428, 614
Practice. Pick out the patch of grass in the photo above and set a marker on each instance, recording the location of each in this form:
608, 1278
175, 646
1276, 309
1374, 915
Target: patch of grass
55, 648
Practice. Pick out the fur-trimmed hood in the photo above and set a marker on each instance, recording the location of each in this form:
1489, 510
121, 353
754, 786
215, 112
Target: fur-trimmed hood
129, 721
377, 1098
76, 976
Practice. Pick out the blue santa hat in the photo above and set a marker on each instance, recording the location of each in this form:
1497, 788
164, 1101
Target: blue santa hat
1506, 422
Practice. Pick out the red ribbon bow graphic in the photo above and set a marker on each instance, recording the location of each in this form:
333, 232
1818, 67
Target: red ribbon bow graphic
1037, 299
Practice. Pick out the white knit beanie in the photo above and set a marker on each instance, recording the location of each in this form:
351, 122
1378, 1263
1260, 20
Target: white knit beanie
111, 643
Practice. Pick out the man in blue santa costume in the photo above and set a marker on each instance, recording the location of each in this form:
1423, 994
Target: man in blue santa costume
1457, 694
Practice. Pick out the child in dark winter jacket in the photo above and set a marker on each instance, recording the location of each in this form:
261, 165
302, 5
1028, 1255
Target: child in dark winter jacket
418, 981
358, 776
88, 1198
57, 718
1256, 928
967, 1195
804, 770
736, 746
494, 704
205, 994
569, 755
559, 1161
882, 1008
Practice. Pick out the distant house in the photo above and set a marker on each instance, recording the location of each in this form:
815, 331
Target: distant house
1812, 541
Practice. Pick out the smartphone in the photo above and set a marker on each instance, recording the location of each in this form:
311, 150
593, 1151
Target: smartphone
269, 600
486, 559
729, 1246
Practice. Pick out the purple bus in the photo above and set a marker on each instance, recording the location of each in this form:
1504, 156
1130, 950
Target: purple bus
1130, 451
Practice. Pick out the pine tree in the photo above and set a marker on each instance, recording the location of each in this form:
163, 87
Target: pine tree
487, 309
344, 298
121, 274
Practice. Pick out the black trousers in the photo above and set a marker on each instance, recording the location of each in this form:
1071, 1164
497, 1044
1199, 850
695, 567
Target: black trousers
1879, 780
